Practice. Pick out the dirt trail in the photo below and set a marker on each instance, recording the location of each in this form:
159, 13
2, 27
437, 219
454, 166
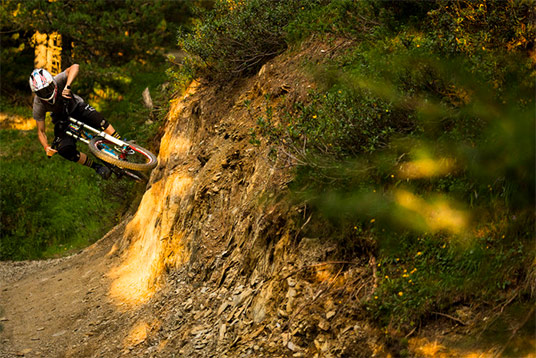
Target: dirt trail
51, 308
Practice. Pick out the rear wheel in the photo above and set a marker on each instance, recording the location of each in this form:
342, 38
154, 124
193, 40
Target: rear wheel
130, 156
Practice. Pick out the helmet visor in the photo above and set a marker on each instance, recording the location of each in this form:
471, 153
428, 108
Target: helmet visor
47, 92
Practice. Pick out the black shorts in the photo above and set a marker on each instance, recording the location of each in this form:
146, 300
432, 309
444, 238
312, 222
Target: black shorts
84, 113
65, 144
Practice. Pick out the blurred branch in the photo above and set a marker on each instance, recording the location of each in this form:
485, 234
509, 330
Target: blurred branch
519, 326
12, 31
450, 317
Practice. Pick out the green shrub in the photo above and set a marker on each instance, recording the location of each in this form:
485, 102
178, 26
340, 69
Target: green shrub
344, 122
236, 38
426, 274
347, 18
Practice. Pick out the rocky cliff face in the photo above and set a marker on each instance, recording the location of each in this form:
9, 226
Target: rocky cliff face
240, 278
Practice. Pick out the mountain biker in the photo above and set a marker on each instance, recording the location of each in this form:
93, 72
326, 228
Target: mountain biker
47, 89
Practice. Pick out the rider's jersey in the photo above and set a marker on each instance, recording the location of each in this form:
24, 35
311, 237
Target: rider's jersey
41, 107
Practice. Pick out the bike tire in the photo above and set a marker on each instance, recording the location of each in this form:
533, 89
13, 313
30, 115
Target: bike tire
140, 160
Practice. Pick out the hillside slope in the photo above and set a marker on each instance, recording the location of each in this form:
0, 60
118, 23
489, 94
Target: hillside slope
210, 265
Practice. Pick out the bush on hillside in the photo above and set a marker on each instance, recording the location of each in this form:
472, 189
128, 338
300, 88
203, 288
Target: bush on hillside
237, 37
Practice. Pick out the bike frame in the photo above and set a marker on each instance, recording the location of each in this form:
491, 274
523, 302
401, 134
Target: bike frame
76, 133
98, 133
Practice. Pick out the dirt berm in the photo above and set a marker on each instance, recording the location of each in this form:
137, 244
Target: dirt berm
210, 265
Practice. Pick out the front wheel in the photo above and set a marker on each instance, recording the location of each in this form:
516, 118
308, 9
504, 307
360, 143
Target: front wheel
130, 156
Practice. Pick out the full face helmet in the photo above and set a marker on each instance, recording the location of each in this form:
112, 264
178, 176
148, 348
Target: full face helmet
43, 85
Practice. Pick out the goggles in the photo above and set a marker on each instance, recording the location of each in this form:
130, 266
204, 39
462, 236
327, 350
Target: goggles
48, 92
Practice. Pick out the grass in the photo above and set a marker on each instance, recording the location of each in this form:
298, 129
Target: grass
48, 203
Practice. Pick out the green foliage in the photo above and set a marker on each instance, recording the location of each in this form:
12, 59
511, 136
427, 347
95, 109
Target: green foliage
470, 27
424, 274
343, 122
127, 112
236, 38
181, 74
51, 205
421, 135
351, 19
102, 31
13, 52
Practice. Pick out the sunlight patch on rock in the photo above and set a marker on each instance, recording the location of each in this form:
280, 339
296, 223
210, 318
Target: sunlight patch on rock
155, 241
173, 143
426, 348
138, 334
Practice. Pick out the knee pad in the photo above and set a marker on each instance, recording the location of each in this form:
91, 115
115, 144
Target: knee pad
69, 152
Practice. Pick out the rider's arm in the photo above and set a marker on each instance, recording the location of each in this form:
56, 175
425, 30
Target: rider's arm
71, 72
42, 136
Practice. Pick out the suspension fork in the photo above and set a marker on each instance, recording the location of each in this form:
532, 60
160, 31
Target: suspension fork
106, 136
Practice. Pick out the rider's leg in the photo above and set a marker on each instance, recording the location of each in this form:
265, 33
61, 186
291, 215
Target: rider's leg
102, 170
111, 131
67, 149
89, 115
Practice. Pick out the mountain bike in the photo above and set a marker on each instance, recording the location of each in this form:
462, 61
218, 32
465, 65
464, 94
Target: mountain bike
122, 157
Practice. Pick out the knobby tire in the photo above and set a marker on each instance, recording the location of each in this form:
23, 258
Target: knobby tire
148, 159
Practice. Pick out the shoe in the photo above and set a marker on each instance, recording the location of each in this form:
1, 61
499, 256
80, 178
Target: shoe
103, 171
